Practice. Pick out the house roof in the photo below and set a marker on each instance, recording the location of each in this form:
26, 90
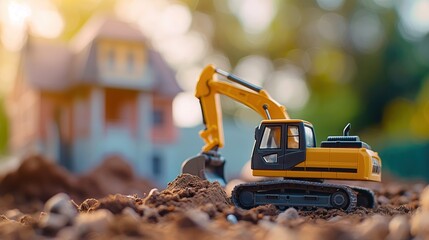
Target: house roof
165, 81
57, 67
102, 26
46, 64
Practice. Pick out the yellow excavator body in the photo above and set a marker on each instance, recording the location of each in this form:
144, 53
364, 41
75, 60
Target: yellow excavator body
283, 147
333, 163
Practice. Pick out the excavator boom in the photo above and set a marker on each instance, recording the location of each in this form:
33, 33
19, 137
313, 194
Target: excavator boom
209, 164
208, 90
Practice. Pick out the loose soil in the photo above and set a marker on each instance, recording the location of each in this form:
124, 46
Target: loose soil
111, 202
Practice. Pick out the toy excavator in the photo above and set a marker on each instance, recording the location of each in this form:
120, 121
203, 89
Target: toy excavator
283, 147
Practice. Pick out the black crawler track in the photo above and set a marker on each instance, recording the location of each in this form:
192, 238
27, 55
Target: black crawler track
365, 197
299, 194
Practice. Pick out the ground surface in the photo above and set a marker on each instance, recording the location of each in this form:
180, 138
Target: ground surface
189, 208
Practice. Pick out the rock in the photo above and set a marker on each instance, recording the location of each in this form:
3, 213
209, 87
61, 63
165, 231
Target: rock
51, 223
335, 219
96, 221
28, 220
61, 204
15, 230
130, 212
279, 232
375, 227
266, 223
13, 214
149, 214
399, 228
194, 218
321, 232
68, 233
3, 218
288, 215
382, 200
232, 218
424, 199
420, 224
59, 212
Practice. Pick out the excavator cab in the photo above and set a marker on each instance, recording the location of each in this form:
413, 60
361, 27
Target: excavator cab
281, 144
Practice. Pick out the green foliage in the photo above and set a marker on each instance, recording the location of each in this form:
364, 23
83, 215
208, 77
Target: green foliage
383, 89
3, 128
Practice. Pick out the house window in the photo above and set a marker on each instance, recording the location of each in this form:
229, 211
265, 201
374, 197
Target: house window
111, 59
158, 117
130, 61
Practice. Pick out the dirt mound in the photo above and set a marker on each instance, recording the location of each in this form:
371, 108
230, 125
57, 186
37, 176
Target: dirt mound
114, 175
39, 179
194, 208
188, 192
189, 208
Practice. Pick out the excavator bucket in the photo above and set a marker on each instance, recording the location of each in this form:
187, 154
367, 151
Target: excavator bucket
208, 166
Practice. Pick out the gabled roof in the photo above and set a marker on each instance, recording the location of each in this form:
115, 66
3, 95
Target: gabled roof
165, 81
56, 67
46, 64
105, 27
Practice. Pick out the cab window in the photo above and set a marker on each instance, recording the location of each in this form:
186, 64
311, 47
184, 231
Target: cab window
271, 137
293, 137
309, 137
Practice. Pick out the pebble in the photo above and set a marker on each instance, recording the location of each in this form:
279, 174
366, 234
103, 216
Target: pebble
279, 232
53, 222
96, 221
375, 227
130, 212
424, 199
68, 233
4, 218
61, 204
149, 214
420, 224
232, 218
382, 200
14, 214
198, 218
288, 215
399, 228
266, 224
335, 219
58, 212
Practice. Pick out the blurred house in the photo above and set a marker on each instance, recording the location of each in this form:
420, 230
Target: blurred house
105, 93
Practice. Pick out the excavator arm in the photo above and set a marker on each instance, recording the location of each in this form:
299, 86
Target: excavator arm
208, 90
209, 164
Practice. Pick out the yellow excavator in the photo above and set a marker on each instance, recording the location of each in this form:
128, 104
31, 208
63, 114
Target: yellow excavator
284, 148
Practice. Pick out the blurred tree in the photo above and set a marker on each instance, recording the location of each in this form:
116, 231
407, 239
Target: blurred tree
76, 13
3, 128
357, 63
